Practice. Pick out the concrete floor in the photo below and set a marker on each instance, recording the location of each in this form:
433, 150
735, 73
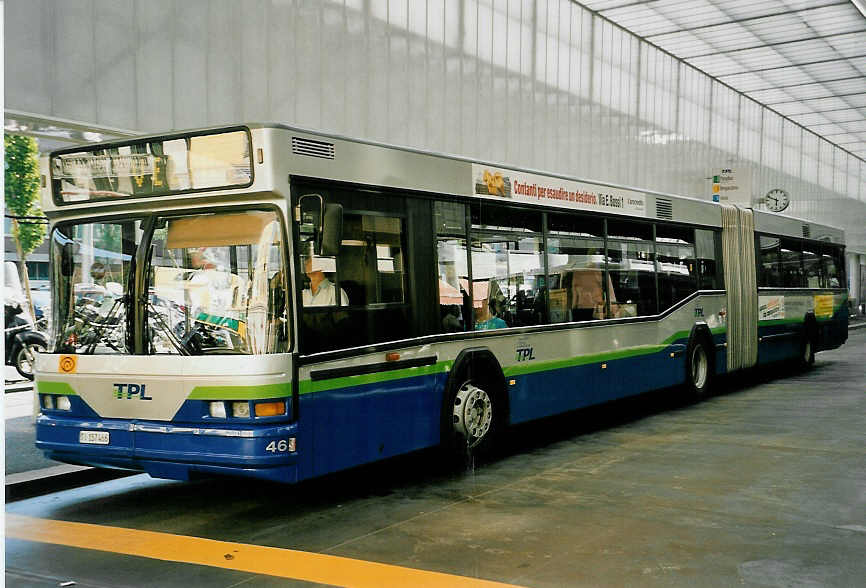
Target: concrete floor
761, 485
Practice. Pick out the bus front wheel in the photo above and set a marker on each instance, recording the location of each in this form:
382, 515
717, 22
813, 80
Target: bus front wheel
472, 414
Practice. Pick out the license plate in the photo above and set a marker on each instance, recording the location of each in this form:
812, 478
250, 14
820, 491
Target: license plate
94, 437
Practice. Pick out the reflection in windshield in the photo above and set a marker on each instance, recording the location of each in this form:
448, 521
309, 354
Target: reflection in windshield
216, 285
92, 262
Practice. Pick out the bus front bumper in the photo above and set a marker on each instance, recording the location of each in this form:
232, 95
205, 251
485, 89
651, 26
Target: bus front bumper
177, 452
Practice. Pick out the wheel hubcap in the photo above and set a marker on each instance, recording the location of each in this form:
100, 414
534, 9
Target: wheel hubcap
473, 413
699, 367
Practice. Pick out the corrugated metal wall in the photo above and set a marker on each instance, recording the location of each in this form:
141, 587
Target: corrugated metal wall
544, 84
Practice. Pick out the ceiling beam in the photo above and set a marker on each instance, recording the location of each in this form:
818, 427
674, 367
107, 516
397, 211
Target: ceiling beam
815, 98
748, 19
777, 44
827, 110
816, 82
778, 67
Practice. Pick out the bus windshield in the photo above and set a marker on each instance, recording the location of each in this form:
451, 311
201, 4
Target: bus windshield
92, 264
215, 283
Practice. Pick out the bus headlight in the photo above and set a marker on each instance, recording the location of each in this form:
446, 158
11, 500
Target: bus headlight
63, 403
217, 410
264, 409
47, 402
241, 409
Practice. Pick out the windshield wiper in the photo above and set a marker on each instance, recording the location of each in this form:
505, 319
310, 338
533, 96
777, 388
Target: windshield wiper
166, 330
105, 327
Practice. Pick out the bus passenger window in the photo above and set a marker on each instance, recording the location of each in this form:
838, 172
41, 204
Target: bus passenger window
792, 264
455, 304
508, 280
675, 263
812, 265
834, 266
575, 261
708, 249
769, 262
632, 269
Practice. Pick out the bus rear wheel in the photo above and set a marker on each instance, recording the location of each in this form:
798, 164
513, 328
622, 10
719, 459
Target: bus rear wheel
807, 353
698, 371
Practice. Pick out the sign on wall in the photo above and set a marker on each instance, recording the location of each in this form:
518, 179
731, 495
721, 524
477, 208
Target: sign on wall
527, 187
732, 185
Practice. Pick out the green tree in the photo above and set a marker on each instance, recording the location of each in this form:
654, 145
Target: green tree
22, 199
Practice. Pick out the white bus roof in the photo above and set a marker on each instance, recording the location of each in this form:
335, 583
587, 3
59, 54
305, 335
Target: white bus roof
279, 152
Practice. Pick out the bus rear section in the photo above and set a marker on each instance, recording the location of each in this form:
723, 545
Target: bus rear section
170, 351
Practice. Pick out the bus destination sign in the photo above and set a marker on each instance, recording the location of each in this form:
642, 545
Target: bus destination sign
158, 167
112, 166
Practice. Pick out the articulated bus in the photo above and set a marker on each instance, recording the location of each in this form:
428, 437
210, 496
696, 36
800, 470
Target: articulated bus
272, 302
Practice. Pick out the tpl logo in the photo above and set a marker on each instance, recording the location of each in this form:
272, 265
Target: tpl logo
129, 390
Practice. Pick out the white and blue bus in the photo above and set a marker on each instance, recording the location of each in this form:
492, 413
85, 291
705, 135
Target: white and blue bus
272, 302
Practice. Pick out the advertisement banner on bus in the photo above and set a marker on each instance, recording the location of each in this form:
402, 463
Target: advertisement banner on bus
771, 308
527, 187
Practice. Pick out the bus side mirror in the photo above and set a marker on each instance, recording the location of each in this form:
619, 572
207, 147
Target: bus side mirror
320, 225
331, 234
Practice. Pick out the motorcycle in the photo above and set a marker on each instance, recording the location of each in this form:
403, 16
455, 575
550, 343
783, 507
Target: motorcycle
22, 340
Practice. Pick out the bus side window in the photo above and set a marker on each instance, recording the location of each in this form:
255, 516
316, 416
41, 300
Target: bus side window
812, 265
575, 260
834, 266
792, 264
455, 304
770, 255
370, 275
631, 267
675, 263
707, 252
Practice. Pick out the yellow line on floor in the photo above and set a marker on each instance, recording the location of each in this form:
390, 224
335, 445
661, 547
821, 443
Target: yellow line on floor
256, 559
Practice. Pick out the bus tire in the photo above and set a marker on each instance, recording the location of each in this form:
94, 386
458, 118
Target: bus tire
475, 408
806, 359
699, 370
472, 415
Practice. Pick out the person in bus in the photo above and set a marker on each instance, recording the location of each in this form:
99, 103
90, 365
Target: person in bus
492, 321
322, 291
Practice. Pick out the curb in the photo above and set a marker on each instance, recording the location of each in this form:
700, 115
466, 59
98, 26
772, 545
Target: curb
857, 325
57, 478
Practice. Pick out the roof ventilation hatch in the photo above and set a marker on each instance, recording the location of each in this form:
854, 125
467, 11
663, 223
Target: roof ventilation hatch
311, 148
664, 208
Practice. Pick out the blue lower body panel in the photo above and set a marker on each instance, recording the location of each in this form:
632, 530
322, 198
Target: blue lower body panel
171, 450
346, 427
546, 393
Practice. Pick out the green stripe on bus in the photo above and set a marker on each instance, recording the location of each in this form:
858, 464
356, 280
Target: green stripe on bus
60, 388
784, 321
685, 334
521, 370
241, 392
309, 386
